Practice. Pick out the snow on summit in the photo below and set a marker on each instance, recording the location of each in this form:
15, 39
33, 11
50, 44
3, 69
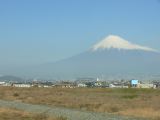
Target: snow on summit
113, 41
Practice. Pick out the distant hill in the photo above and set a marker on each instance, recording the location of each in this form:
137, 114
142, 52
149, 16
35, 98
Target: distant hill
10, 78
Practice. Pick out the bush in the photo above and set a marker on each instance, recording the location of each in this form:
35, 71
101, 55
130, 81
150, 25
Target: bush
61, 118
15, 94
129, 96
113, 109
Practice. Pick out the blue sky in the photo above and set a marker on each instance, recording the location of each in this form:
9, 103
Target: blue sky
40, 31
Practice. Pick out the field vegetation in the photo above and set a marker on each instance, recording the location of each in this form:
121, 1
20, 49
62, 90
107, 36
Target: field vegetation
14, 114
143, 103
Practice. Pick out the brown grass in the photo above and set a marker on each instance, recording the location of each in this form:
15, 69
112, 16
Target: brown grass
14, 114
131, 102
143, 112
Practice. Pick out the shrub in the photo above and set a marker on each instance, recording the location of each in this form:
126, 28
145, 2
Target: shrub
129, 96
113, 109
15, 94
61, 118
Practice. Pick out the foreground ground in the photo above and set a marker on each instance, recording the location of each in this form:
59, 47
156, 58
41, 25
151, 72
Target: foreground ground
10, 114
143, 103
44, 112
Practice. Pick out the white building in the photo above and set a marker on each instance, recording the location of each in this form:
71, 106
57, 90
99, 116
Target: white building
134, 83
22, 85
146, 86
82, 85
2, 83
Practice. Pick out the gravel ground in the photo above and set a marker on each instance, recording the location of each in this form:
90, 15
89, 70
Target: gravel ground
71, 114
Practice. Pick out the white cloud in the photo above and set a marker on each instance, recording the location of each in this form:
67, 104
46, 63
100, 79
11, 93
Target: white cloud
113, 41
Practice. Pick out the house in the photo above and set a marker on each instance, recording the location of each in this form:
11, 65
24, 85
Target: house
21, 85
134, 83
117, 86
81, 85
98, 84
2, 83
156, 84
64, 84
112, 86
5, 84
146, 85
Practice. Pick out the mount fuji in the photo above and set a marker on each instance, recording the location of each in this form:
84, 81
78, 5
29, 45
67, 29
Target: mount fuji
112, 56
119, 43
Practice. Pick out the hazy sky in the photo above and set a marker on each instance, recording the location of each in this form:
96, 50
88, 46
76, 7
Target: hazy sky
39, 31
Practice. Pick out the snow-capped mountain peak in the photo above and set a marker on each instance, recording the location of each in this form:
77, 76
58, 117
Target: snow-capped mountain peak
113, 41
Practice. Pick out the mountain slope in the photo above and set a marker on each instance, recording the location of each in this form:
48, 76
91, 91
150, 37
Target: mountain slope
113, 55
110, 57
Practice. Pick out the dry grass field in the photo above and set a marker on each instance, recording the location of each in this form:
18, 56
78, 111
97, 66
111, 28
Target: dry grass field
143, 103
14, 114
